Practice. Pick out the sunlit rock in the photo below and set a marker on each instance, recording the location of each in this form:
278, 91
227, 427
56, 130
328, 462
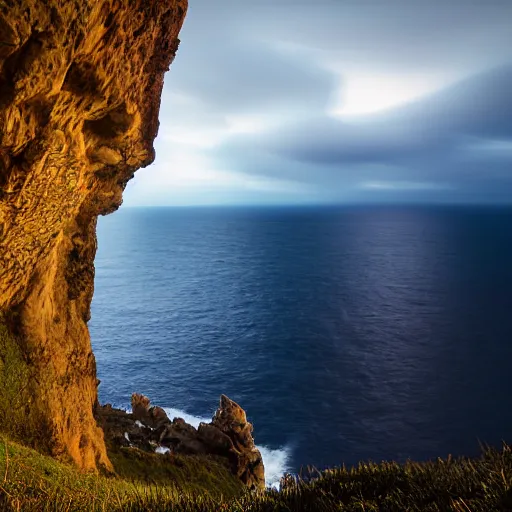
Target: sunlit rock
80, 86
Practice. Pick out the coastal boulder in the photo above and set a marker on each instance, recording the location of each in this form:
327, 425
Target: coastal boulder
231, 420
152, 416
180, 437
216, 441
140, 406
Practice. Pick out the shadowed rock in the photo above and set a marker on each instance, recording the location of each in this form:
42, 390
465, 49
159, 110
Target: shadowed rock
142, 410
229, 435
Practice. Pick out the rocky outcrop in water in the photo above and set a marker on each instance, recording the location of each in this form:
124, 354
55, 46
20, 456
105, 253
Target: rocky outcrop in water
230, 419
229, 435
80, 86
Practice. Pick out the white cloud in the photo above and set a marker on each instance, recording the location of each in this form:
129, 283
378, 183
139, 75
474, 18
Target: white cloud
361, 94
494, 147
186, 177
402, 185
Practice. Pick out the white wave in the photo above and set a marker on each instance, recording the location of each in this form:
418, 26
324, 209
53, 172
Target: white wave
189, 418
276, 464
276, 461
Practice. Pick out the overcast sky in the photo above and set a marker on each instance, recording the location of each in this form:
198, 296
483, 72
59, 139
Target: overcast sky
327, 101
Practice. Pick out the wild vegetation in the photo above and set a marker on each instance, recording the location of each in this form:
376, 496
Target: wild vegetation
14, 378
30, 481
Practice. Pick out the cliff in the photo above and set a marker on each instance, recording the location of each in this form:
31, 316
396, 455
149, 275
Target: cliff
80, 86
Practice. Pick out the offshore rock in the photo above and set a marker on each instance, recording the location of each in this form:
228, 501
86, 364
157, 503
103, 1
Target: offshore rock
80, 86
229, 435
142, 410
231, 420
140, 406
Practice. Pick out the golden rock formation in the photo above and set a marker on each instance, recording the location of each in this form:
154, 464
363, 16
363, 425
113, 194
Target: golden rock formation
80, 86
231, 420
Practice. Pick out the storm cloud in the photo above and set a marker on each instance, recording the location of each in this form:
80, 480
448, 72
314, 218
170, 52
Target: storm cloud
332, 101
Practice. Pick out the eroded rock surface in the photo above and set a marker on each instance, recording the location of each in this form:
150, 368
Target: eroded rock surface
80, 86
230, 419
229, 435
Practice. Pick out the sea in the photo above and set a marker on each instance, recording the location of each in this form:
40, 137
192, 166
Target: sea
347, 333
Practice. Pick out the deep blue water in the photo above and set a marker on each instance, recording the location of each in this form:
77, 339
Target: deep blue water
346, 333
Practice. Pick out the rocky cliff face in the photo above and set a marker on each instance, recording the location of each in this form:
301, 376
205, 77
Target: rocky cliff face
80, 85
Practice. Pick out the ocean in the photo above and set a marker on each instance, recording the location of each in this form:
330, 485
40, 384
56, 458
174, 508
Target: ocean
346, 333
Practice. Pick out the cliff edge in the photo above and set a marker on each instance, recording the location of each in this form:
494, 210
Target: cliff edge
80, 86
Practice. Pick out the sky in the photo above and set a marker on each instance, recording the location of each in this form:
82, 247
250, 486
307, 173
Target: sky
335, 101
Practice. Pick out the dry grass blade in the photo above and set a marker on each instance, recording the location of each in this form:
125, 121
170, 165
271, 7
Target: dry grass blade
6, 461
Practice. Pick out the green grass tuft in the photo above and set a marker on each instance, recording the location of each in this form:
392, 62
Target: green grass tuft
187, 473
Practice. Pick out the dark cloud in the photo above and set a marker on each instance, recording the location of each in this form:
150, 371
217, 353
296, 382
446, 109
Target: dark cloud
478, 107
283, 62
461, 137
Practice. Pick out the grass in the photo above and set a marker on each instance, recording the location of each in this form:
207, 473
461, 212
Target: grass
30, 481
192, 474
14, 378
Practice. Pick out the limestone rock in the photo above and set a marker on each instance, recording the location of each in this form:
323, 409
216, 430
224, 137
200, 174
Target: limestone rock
80, 86
217, 441
145, 413
181, 437
140, 407
231, 420
158, 416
